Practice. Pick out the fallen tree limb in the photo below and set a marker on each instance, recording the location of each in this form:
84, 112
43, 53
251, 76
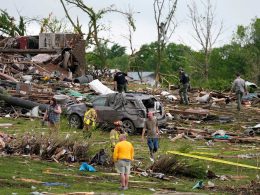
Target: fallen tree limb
14, 101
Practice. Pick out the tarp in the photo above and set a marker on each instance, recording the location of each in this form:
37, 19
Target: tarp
86, 167
98, 87
116, 100
247, 83
250, 96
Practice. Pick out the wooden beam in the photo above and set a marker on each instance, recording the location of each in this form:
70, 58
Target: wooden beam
29, 51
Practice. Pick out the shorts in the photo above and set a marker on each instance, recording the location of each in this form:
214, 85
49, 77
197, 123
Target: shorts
123, 166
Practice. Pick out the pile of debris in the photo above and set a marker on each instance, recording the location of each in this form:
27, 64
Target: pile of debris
16, 67
211, 99
52, 148
210, 136
30, 77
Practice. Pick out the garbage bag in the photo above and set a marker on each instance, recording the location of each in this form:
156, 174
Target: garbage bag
86, 167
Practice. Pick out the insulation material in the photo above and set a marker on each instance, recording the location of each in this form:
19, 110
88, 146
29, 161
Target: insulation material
98, 87
41, 58
203, 99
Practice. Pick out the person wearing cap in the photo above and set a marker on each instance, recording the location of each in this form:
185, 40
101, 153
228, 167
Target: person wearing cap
115, 133
120, 82
90, 118
184, 81
52, 115
239, 87
122, 156
151, 126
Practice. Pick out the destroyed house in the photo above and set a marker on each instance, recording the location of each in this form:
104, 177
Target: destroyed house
48, 43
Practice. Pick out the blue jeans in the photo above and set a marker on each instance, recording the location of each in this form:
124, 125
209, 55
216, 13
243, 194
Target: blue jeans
153, 144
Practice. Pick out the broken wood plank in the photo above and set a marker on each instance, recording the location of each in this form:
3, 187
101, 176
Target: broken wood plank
8, 77
29, 51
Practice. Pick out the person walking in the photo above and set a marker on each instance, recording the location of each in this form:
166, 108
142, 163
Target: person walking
52, 115
184, 81
90, 118
239, 87
120, 82
122, 157
151, 126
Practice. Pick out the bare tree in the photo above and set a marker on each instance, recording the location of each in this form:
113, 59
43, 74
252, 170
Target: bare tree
206, 32
132, 58
94, 26
164, 11
131, 29
76, 26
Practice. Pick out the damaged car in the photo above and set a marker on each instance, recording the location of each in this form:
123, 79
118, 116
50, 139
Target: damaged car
130, 108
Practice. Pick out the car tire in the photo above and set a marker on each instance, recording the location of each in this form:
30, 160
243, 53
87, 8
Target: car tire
129, 126
75, 121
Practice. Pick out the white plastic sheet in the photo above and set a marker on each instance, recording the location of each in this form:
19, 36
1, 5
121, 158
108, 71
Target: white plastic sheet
203, 99
247, 83
98, 87
41, 58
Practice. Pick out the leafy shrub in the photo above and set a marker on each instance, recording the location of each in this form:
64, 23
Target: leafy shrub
213, 84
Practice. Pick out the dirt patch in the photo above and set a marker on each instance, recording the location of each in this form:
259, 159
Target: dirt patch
253, 189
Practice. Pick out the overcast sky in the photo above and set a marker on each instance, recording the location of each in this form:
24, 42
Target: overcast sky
231, 12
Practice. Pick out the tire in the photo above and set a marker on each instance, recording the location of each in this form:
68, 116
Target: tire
75, 121
129, 127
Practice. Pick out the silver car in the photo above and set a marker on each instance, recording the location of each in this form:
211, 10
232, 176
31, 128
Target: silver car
130, 108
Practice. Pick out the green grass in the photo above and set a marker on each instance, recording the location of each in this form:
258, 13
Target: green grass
14, 168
